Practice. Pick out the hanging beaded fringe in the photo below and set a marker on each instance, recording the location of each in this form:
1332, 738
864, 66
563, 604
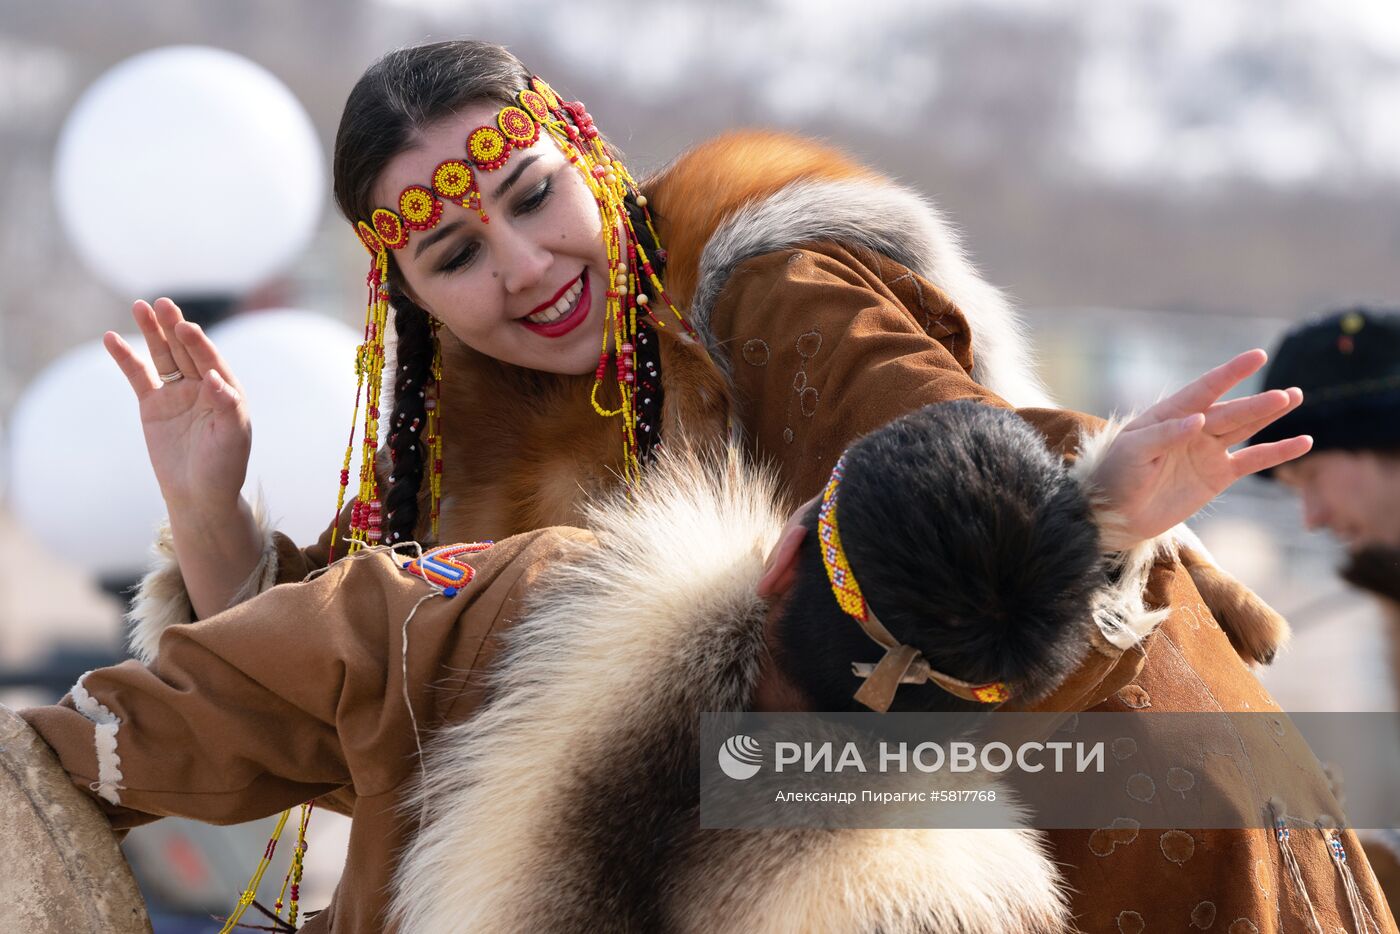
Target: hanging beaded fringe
251, 892
432, 404
292, 880
1360, 914
1282, 834
365, 514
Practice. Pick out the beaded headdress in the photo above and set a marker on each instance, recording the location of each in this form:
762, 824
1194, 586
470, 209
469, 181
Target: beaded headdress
634, 284
901, 664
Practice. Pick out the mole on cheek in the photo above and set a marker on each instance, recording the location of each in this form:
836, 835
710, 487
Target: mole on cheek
496, 275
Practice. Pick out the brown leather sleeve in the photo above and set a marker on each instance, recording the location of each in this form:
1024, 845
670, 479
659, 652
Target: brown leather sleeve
825, 345
292, 694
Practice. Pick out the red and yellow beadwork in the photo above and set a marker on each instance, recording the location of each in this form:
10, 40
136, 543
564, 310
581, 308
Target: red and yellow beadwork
632, 284
846, 589
838, 567
420, 208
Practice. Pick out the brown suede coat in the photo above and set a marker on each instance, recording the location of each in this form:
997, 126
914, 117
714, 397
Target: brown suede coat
221, 729
805, 347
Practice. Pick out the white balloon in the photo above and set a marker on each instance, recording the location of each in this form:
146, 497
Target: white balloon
298, 373
79, 475
188, 170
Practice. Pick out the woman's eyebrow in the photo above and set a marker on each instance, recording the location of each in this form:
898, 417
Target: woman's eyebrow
435, 236
514, 176
505, 187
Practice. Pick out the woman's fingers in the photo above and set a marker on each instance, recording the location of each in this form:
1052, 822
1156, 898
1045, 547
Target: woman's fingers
1198, 395
222, 393
1244, 426
202, 351
1141, 445
1227, 418
169, 317
156, 343
1265, 456
138, 372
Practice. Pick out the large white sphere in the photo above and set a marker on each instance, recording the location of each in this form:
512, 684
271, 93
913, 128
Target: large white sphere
79, 475
298, 371
188, 170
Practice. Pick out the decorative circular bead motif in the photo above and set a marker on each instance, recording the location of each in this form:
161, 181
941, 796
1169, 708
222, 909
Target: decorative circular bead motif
518, 126
453, 180
534, 104
488, 148
551, 100
369, 238
420, 208
390, 229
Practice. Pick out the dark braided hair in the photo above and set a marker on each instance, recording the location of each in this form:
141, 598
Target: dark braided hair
413, 381
650, 393
400, 95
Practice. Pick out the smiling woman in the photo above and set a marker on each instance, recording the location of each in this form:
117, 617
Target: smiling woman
508, 285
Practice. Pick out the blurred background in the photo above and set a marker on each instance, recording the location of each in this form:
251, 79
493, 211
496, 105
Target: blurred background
1159, 185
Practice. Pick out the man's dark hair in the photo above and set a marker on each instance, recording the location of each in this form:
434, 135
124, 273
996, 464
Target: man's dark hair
970, 541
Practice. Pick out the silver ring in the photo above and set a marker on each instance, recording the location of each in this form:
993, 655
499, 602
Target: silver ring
174, 377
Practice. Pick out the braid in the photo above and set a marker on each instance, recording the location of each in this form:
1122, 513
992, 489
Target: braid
650, 392
639, 216
407, 453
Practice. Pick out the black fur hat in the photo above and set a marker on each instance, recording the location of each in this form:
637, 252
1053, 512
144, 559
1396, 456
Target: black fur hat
971, 543
1348, 365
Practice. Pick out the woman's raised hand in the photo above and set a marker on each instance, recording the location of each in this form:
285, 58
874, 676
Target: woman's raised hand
196, 424
1174, 458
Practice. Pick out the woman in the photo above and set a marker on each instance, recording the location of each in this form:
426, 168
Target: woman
826, 301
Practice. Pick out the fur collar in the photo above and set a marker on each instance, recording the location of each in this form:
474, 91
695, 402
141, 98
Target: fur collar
567, 802
749, 193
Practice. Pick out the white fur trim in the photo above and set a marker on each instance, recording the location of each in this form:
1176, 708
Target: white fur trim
161, 598
109, 764
1120, 611
899, 223
894, 881
606, 649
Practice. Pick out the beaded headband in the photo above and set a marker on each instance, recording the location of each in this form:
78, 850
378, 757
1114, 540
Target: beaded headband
901, 664
632, 281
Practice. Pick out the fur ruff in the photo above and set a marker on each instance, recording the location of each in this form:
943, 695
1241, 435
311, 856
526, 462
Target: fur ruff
568, 802
1255, 629
1121, 612
749, 193
162, 601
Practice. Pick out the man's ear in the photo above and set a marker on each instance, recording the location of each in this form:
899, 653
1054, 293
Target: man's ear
780, 570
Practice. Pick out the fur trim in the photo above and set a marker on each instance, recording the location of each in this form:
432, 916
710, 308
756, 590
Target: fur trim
567, 803
896, 222
161, 600
1254, 628
1121, 613
109, 771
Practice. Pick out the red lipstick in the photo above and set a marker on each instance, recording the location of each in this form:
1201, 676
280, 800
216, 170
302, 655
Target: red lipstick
572, 319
